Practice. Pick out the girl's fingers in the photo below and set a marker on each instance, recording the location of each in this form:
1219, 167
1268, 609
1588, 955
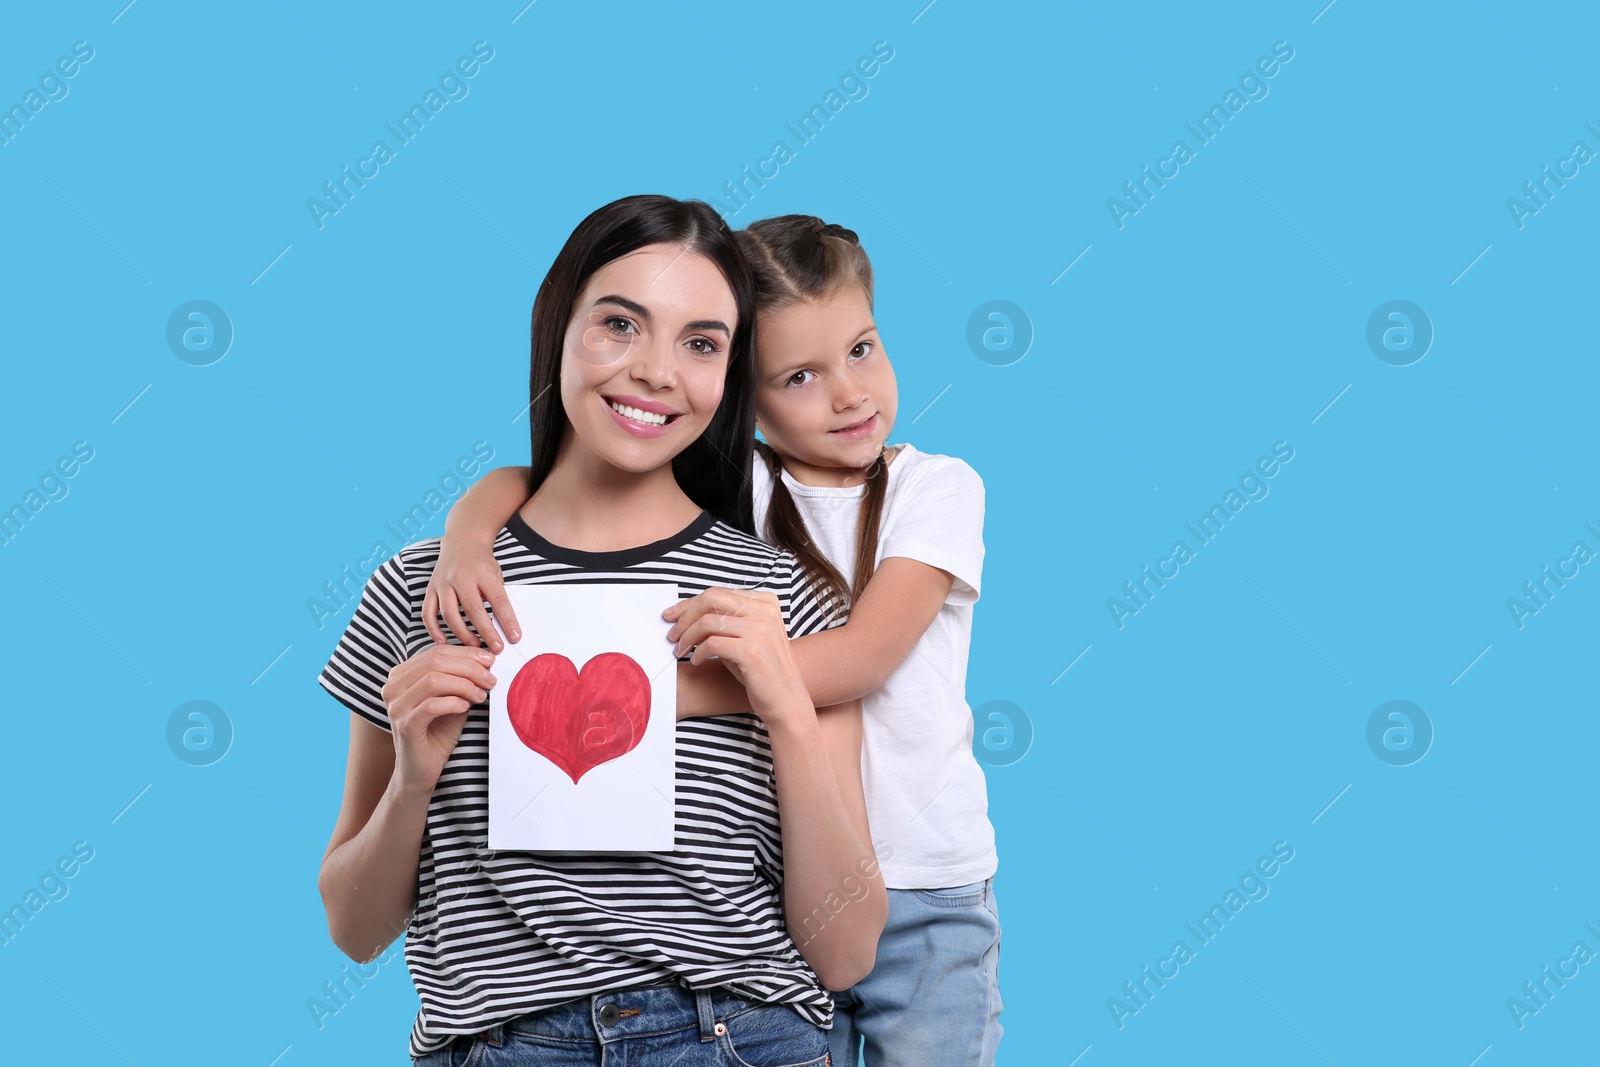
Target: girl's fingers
452, 617
503, 612
430, 611
472, 605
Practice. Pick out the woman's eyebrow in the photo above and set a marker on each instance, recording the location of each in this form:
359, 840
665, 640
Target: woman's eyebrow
632, 305
644, 313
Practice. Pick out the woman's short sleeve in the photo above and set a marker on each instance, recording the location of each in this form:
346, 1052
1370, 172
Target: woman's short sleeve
373, 644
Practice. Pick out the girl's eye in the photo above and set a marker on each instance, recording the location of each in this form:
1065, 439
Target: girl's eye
797, 374
619, 325
862, 350
707, 347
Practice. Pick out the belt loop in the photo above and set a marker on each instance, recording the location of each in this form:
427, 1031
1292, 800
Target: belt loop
702, 1003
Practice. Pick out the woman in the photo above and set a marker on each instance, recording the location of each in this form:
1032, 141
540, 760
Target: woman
642, 388
905, 552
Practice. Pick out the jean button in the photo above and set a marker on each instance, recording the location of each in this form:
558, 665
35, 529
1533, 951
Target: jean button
609, 1015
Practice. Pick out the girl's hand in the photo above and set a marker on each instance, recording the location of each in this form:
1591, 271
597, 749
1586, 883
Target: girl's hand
744, 630
466, 575
428, 697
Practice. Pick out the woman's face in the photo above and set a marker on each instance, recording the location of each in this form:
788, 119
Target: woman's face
826, 395
646, 355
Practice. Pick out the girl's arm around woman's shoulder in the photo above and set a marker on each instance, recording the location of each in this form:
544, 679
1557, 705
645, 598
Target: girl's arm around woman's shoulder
467, 574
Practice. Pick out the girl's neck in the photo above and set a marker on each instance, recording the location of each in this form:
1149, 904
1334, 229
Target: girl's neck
832, 477
589, 505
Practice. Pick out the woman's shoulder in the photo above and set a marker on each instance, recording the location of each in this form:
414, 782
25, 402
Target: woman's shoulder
751, 563
746, 551
749, 553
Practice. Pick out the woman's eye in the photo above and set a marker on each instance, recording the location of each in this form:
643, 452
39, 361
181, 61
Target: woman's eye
704, 345
797, 374
619, 325
861, 350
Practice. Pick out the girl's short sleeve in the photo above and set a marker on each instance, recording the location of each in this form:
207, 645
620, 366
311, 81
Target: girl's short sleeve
373, 644
938, 520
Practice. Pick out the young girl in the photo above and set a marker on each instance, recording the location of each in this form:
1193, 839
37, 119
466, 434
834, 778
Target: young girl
897, 535
642, 385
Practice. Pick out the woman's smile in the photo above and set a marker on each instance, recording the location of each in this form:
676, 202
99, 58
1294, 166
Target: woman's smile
641, 417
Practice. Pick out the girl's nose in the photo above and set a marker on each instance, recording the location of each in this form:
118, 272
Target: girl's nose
850, 396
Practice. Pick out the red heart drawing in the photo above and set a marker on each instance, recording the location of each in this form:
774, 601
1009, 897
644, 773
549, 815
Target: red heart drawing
579, 720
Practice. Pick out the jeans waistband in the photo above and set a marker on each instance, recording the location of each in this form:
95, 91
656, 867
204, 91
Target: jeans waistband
633, 1012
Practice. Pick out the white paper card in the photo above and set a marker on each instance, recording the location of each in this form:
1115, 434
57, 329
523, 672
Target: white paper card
582, 721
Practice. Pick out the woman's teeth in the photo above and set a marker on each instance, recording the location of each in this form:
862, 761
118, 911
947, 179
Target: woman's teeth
649, 418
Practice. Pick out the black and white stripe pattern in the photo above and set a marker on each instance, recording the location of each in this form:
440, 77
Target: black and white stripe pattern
496, 935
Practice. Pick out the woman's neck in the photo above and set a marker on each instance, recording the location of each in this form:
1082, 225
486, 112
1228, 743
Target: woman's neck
589, 505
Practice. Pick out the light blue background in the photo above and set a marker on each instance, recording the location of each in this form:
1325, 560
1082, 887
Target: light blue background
1223, 317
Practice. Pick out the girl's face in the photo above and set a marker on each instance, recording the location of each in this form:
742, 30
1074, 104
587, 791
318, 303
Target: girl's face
646, 355
826, 396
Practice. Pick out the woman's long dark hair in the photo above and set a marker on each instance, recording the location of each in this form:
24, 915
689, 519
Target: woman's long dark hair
795, 258
714, 471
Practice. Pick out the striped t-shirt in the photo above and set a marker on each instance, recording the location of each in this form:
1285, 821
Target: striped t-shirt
499, 934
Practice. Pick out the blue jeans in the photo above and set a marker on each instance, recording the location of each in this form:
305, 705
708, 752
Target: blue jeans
653, 1026
933, 997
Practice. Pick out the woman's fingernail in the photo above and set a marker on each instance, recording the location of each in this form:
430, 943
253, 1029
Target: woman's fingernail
516, 635
485, 656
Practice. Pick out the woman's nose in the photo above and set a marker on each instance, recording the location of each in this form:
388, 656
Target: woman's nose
655, 363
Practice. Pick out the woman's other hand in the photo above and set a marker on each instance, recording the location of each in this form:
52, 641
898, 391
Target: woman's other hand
744, 630
429, 697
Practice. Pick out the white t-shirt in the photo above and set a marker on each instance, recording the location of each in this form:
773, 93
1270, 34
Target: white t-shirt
926, 797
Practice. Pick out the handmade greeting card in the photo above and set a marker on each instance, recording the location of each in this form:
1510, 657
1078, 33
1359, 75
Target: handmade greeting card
582, 721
